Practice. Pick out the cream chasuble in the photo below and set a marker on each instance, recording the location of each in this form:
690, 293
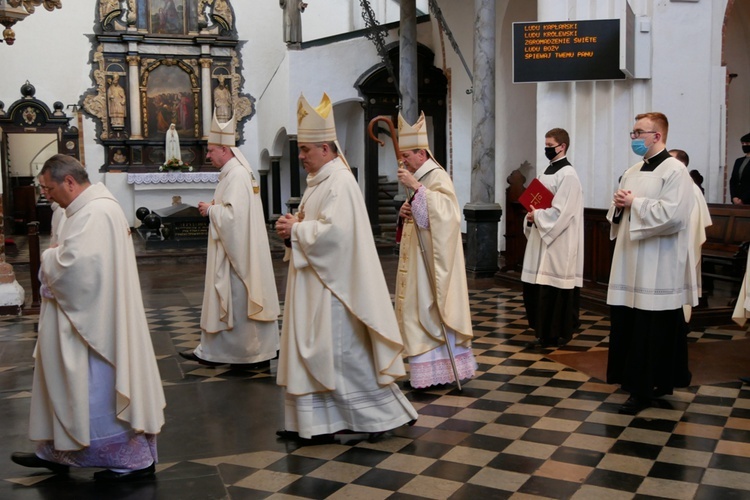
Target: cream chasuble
554, 250
98, 306
650, 267
323, 269
419, 319
237, 241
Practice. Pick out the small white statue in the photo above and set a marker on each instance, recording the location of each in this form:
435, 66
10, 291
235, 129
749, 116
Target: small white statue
172, 145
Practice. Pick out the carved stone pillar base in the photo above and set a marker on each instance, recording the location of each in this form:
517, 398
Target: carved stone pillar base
292, 204
11, 293
481, 238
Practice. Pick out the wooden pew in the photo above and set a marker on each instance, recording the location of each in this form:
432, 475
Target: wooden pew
724, 253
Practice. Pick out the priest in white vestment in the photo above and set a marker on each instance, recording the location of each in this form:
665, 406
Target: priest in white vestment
239, 317
340, 345
425, 321
651, 276
552, 272
700, 219
97, 399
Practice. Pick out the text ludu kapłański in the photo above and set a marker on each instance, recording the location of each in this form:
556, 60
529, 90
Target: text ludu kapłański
542, 41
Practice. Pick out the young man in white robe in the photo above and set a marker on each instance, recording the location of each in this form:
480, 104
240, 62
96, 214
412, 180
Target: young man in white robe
97, 399
552, 272
651, 276
340, 345
239, 316
425, 321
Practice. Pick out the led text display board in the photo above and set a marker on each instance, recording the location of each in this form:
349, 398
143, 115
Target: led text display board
567, 51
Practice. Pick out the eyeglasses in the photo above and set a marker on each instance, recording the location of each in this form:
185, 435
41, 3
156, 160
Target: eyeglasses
635, 134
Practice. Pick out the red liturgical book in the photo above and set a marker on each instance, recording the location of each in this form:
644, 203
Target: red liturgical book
537, 195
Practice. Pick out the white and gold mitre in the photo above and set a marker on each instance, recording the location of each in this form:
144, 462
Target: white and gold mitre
412, 137
222, 134
315, 124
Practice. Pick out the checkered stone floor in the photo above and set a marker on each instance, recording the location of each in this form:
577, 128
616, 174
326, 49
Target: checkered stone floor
525, 427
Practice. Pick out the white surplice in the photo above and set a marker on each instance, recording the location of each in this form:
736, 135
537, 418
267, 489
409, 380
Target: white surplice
650, 265
554, 247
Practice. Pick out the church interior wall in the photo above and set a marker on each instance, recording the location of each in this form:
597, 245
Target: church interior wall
334, 17
682, 83
599, 114
264, 63
737, 59
460, 20
687, 84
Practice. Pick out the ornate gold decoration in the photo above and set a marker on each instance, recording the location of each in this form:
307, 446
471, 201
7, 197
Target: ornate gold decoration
30, 5
13, 11
110, 11
189, 66
29, 115
97, 104
301, 112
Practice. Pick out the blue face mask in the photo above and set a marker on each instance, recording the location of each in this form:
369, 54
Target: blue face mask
639, 147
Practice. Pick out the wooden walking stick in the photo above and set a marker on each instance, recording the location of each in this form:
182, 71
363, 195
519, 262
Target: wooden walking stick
397, 150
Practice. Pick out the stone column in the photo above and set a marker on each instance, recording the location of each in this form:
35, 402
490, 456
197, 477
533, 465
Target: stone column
294, 184
134, 98
407, 72
275, 186
482, 213
206, 99
264, 193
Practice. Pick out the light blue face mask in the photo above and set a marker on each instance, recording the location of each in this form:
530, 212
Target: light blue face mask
639, 147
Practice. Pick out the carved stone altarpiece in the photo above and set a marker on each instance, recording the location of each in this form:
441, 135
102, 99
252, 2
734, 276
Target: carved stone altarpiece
157, 63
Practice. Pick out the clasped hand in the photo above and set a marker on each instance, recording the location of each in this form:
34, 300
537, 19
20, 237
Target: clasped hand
623, 198
284, 226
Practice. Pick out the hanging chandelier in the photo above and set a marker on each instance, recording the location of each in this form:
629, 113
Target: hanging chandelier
13, 11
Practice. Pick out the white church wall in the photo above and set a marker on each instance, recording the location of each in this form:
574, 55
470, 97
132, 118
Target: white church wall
737, 59
264, 57
460, 20
335, 17
687, 84
599, 114
51, 51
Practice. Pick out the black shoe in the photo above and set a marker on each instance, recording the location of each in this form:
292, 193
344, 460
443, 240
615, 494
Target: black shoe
745, 380
634, 405
252, 366
284, 434
109, 476
190, 356
662, 392
314, 440
537, 343
31, 460
562, 342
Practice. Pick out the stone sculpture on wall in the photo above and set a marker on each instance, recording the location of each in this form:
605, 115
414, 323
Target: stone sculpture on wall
117, 103
223, 101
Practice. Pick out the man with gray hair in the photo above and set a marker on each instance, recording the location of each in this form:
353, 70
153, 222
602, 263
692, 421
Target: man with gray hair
96, 399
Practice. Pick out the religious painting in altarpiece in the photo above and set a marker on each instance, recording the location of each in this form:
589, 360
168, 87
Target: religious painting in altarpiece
150, 69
